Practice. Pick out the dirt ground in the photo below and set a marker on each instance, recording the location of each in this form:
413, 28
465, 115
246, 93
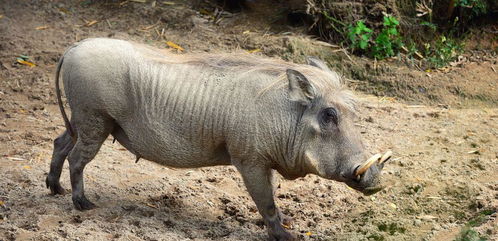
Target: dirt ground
442, 181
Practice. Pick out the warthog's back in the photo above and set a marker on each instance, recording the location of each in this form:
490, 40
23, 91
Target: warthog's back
176, 110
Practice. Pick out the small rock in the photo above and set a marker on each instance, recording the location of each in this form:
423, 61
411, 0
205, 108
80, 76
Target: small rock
427, 217
436, 227
212, 179
225, 200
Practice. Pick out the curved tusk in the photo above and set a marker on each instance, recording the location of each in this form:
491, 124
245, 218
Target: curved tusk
385, 157
364, 167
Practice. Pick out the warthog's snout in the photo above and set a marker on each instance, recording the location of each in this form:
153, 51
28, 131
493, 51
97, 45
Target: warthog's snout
366, 176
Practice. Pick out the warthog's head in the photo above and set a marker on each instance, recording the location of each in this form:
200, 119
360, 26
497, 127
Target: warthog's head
331, 145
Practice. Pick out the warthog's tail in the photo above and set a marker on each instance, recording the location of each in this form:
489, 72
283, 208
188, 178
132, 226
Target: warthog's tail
69, 128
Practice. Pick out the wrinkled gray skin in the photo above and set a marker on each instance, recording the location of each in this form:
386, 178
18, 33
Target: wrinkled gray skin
257, 114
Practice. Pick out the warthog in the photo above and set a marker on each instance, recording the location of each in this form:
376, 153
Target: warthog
190, 111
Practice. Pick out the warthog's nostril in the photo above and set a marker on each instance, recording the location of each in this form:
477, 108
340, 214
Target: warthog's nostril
356, 178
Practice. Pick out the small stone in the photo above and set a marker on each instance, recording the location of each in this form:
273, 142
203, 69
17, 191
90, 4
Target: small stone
427, 217
436, 227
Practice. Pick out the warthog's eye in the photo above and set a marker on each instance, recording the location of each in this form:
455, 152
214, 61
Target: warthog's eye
328, 116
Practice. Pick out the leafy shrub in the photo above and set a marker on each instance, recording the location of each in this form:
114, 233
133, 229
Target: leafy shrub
359, 36
443, 51
427, 34
388, 42
477, 7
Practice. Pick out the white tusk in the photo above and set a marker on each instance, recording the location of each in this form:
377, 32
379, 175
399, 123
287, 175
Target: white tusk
385, 157
364, 167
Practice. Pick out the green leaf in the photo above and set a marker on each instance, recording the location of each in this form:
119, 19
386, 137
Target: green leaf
363, 44
360, 25
392, 31
430, 25
386, 21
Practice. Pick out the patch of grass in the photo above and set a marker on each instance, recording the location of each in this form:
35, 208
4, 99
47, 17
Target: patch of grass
391, 228
481, 217
443, 51
376, 237
430, 25
459, 215
468, 233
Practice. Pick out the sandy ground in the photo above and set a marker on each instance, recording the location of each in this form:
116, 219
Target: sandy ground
442, 180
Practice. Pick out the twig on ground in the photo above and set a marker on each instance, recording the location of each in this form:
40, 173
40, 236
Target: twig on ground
108, 23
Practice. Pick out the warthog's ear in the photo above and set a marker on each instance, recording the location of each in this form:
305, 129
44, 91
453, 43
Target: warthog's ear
314, 61
300, 89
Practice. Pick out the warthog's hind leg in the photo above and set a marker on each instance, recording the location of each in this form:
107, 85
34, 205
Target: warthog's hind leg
62, 146
92, 132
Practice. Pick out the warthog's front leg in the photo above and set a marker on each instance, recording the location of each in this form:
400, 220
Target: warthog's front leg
258, 180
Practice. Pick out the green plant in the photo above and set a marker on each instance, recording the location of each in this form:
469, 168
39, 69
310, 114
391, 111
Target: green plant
477, 7
376, 237
333, 22
388, 42
391, 228
412, 49
443, 51
469, 234
480, 218
359, 36
431, 26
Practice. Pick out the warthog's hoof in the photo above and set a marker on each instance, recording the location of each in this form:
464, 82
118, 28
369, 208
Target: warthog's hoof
83, 204
282, 236
286, 220
54, 186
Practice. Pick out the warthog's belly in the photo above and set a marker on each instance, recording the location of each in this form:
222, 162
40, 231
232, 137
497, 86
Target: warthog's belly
168, 147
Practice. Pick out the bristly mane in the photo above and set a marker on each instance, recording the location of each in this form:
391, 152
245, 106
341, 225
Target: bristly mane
244, 63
